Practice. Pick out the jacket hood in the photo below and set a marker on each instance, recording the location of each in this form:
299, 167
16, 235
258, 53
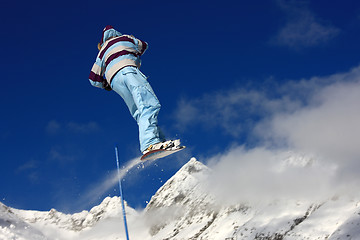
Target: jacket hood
109, 32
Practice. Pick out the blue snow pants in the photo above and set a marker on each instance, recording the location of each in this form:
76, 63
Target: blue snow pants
144, 106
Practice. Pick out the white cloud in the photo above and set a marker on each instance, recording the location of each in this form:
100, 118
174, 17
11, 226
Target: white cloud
330, 127
317, 118
233, 111
32, 164
261, 174
239, 110
54, 127
83, 127
58, 154
303, 29
30, 169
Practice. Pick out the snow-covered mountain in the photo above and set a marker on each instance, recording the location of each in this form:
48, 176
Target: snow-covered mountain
183, 208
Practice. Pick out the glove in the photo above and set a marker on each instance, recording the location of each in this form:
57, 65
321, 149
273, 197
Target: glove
106, 86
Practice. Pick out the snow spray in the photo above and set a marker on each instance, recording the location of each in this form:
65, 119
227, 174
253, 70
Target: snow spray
121, 194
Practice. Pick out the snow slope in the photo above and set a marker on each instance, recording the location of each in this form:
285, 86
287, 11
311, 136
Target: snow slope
13, 227
101, 222
183, 208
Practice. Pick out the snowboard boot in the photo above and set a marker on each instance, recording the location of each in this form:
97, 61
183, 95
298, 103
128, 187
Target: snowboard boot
167, 145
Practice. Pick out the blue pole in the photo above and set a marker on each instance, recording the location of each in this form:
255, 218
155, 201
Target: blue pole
121, 194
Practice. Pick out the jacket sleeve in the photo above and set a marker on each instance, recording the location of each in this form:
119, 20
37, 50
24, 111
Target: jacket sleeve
141, 46
96, 75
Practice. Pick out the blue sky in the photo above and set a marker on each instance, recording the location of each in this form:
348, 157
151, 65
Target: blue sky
218, 68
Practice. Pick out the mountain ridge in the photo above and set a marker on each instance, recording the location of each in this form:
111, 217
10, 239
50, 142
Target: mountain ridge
183, 208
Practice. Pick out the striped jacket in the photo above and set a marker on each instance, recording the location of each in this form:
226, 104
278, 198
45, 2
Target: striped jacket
117, 51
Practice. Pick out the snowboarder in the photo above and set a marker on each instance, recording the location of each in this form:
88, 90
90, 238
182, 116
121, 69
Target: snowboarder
117, 68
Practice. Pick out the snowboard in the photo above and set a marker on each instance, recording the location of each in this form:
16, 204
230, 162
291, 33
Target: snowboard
160, 153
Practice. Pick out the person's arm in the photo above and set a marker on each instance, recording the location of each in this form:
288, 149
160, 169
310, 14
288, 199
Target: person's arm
96, 76
140, 44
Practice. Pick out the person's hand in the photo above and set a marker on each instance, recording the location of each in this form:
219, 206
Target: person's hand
107, 87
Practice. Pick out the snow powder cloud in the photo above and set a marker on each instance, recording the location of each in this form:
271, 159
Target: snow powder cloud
96, 191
